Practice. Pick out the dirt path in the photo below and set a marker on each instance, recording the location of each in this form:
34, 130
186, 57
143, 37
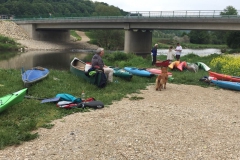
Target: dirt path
181, 122
83, 36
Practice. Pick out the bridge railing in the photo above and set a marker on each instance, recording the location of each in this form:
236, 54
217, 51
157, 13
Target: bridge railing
145, 14
180, 13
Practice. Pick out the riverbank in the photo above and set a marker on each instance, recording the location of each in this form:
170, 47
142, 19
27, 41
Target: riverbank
12, 30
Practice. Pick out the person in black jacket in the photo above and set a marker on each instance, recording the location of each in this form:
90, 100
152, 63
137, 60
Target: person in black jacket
154, 54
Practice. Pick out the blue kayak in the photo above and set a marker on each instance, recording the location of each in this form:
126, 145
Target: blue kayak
227, 84
139, 72
33, 75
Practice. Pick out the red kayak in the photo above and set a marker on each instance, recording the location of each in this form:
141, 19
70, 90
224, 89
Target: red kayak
157, 71
162, 63
182, 65
224, 77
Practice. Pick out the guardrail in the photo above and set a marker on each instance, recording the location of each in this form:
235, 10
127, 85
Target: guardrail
146, 14
180, 13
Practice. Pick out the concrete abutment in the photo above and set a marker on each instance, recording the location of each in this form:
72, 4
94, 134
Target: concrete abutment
138, 42
56, 35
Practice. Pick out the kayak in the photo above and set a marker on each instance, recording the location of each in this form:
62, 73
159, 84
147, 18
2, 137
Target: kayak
224, 77
157, 71
171, 65
139, 72
162, 63
78, 67
119, 72
174, 64
203, 65
192, 67
34, 75
227, 85
182, 65
11, 99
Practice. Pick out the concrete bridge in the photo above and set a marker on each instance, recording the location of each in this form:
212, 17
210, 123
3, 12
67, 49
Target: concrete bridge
138, 26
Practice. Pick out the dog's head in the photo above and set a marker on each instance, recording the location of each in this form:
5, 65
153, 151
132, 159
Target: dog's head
164, 69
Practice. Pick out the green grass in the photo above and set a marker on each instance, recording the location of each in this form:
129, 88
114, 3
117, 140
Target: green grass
8, 44
18, 121
74, 34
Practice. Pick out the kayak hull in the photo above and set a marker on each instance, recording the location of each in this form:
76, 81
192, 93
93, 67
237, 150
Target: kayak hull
77, 67
227, 84
119, 72
223, 77
157, 71
11, 99
182, 65
203, 66
138, 72
34, 75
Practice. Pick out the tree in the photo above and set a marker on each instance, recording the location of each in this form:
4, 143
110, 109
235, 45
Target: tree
229, 10
233, 37
199, 37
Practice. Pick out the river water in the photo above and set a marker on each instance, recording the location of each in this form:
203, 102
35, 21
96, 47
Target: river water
61, 59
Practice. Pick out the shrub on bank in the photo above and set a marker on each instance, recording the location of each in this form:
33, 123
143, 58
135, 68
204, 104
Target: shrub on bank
7, 44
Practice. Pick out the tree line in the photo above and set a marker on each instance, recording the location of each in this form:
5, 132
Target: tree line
111, 39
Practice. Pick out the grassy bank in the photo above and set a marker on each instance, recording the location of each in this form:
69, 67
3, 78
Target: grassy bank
18, 121
8, 44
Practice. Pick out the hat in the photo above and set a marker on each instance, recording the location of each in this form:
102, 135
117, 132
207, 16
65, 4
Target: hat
156, 44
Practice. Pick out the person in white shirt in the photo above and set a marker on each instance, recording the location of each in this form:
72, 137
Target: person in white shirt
178, 51
170, 54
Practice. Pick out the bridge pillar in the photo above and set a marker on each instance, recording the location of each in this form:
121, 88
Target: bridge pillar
138, 42
46, 35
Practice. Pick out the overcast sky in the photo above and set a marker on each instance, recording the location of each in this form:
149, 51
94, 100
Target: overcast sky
172, 5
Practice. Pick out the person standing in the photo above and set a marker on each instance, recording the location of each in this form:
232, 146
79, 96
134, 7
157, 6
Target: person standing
178, 51
154, 54
170, 54
97, 63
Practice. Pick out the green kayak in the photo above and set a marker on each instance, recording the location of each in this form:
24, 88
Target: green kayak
11, 99
119, 72
203, 65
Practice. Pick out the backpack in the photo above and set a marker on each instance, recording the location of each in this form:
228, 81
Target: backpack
101, 79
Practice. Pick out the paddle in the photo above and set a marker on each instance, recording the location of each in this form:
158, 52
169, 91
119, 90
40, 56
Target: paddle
31, 97
44, 100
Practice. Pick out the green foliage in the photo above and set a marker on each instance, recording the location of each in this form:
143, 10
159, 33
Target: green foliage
199, 37
108, 39
227, 64
229, 10
49, 9
233, 39
7, 44
74, 34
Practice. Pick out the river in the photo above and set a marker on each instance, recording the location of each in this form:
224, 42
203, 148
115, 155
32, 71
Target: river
60, 60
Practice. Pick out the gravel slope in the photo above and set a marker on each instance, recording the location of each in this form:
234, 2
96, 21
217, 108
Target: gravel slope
12, 30
181, 122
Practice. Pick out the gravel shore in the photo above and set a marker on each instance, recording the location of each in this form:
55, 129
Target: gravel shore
181, 122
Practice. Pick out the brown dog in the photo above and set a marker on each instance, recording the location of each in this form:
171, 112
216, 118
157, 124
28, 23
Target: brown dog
161, 80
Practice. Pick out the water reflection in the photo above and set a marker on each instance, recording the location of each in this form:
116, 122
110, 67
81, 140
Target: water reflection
52, 60
199, 52
61, 59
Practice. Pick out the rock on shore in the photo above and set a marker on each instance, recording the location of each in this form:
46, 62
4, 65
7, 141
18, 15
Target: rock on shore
12, 30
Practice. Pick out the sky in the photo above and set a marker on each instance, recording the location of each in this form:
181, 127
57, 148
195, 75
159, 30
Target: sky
172, 5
